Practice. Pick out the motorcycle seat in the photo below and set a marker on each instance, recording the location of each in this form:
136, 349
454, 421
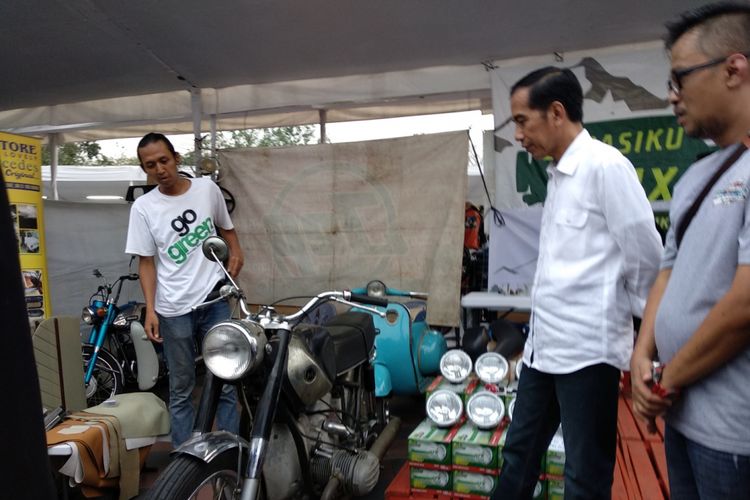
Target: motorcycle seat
353, 335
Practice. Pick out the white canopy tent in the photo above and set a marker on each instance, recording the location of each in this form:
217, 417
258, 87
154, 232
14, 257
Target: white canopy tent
111, 69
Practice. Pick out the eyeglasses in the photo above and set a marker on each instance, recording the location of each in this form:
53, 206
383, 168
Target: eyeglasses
674, 84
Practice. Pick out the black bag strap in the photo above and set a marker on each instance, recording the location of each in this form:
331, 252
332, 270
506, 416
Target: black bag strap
685, 222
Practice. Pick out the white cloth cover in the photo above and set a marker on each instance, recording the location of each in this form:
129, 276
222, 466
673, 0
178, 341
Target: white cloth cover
335, 216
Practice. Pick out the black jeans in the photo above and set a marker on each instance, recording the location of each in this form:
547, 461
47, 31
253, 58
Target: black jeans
585, 402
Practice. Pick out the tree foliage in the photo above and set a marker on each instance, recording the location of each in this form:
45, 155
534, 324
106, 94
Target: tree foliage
259, 138
89, 152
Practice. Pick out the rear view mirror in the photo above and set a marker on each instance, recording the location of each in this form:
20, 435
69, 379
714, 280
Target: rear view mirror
215, 248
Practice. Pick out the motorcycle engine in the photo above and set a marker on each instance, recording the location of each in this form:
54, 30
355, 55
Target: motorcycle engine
358, 471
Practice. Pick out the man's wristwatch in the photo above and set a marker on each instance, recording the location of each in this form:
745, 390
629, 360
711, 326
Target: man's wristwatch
656, 388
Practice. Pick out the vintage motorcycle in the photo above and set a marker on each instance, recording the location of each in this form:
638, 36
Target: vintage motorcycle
118, 352
408, 352
311, 426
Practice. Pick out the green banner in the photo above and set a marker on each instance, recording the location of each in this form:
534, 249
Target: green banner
656, 146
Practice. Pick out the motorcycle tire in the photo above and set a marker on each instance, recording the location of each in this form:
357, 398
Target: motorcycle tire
188, 477
107, 379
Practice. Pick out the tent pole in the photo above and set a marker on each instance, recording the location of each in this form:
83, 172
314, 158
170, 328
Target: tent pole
322, 114
213, 135
53, 164
197, 107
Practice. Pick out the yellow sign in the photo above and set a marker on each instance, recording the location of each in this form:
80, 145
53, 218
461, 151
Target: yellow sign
21, 163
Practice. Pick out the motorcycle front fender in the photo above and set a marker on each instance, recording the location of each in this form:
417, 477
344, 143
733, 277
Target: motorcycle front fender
145, 357
210, 445
383, 383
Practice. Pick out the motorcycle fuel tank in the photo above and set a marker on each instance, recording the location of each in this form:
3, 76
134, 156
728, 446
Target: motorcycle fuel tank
306, 376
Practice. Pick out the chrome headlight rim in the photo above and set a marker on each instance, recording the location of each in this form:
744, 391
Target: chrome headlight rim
376, 288
477, 409
225, 339
455, 366
492, 368
88, 314
441, 400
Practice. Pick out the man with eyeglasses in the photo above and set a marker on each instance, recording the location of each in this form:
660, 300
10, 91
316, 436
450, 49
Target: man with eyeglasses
697, 318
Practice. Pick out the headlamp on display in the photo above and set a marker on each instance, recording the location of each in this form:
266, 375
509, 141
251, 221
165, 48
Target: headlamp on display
444, 407
491, 368
455, 366
234, 348
485, 409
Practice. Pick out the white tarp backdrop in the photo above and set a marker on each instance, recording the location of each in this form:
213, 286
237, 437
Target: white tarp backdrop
624, 105
336, 216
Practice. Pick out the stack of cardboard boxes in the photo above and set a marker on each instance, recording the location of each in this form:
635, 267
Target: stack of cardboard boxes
464, 461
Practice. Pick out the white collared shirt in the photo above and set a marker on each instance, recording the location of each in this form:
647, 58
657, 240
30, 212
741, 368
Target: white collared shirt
599, 254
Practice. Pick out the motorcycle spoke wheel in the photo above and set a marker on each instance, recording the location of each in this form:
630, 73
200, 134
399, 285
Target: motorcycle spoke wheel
107, 378
188, 477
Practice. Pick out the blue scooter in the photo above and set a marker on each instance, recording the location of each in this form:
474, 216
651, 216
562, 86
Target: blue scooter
407, 351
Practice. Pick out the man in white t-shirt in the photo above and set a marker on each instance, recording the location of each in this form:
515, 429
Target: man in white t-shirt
167, 228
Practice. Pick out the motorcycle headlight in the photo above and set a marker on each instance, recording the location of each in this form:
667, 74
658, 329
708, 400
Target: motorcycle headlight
376, 289
444, 407
88, 314
233, 348
491, 368
455, 366
485, 409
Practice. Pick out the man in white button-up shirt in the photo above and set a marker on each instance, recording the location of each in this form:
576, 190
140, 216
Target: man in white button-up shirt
599, 253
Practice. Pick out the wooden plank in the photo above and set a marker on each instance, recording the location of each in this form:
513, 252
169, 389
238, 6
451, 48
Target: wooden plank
645, 475
623, 462
626, 422
660, 461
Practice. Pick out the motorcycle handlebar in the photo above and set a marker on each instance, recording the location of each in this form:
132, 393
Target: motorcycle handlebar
366, 299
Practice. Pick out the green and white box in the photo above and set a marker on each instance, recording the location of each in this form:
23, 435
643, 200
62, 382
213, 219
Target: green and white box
463, 389
474, 447
555, 488
430, 444
474, 483
556, 456
427, 478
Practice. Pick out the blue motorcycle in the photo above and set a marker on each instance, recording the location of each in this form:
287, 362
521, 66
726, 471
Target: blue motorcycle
117, 352
407, 350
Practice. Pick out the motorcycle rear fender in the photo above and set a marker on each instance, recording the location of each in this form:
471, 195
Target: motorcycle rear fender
210, 445
145, 356
383, 384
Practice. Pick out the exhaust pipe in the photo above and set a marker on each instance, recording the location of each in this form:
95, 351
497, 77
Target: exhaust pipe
378, 448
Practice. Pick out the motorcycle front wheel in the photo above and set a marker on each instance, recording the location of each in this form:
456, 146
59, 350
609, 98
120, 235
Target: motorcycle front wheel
107, 379
189, 477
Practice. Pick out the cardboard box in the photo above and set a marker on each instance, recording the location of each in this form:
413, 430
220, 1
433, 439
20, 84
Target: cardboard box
423, 478
431, 444
556, 456
474, 447
464, 389
555, 488
473, 483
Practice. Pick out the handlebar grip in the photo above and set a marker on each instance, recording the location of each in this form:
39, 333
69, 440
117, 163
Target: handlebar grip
366, 299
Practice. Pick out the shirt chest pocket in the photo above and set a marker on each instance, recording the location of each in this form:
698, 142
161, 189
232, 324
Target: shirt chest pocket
571, 218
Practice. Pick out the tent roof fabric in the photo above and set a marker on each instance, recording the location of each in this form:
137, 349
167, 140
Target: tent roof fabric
110, 65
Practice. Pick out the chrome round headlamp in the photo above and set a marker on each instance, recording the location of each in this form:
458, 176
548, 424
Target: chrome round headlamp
376, 289
491, 368
485, 409
444, 407
455, 366
88, 314
233, 348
